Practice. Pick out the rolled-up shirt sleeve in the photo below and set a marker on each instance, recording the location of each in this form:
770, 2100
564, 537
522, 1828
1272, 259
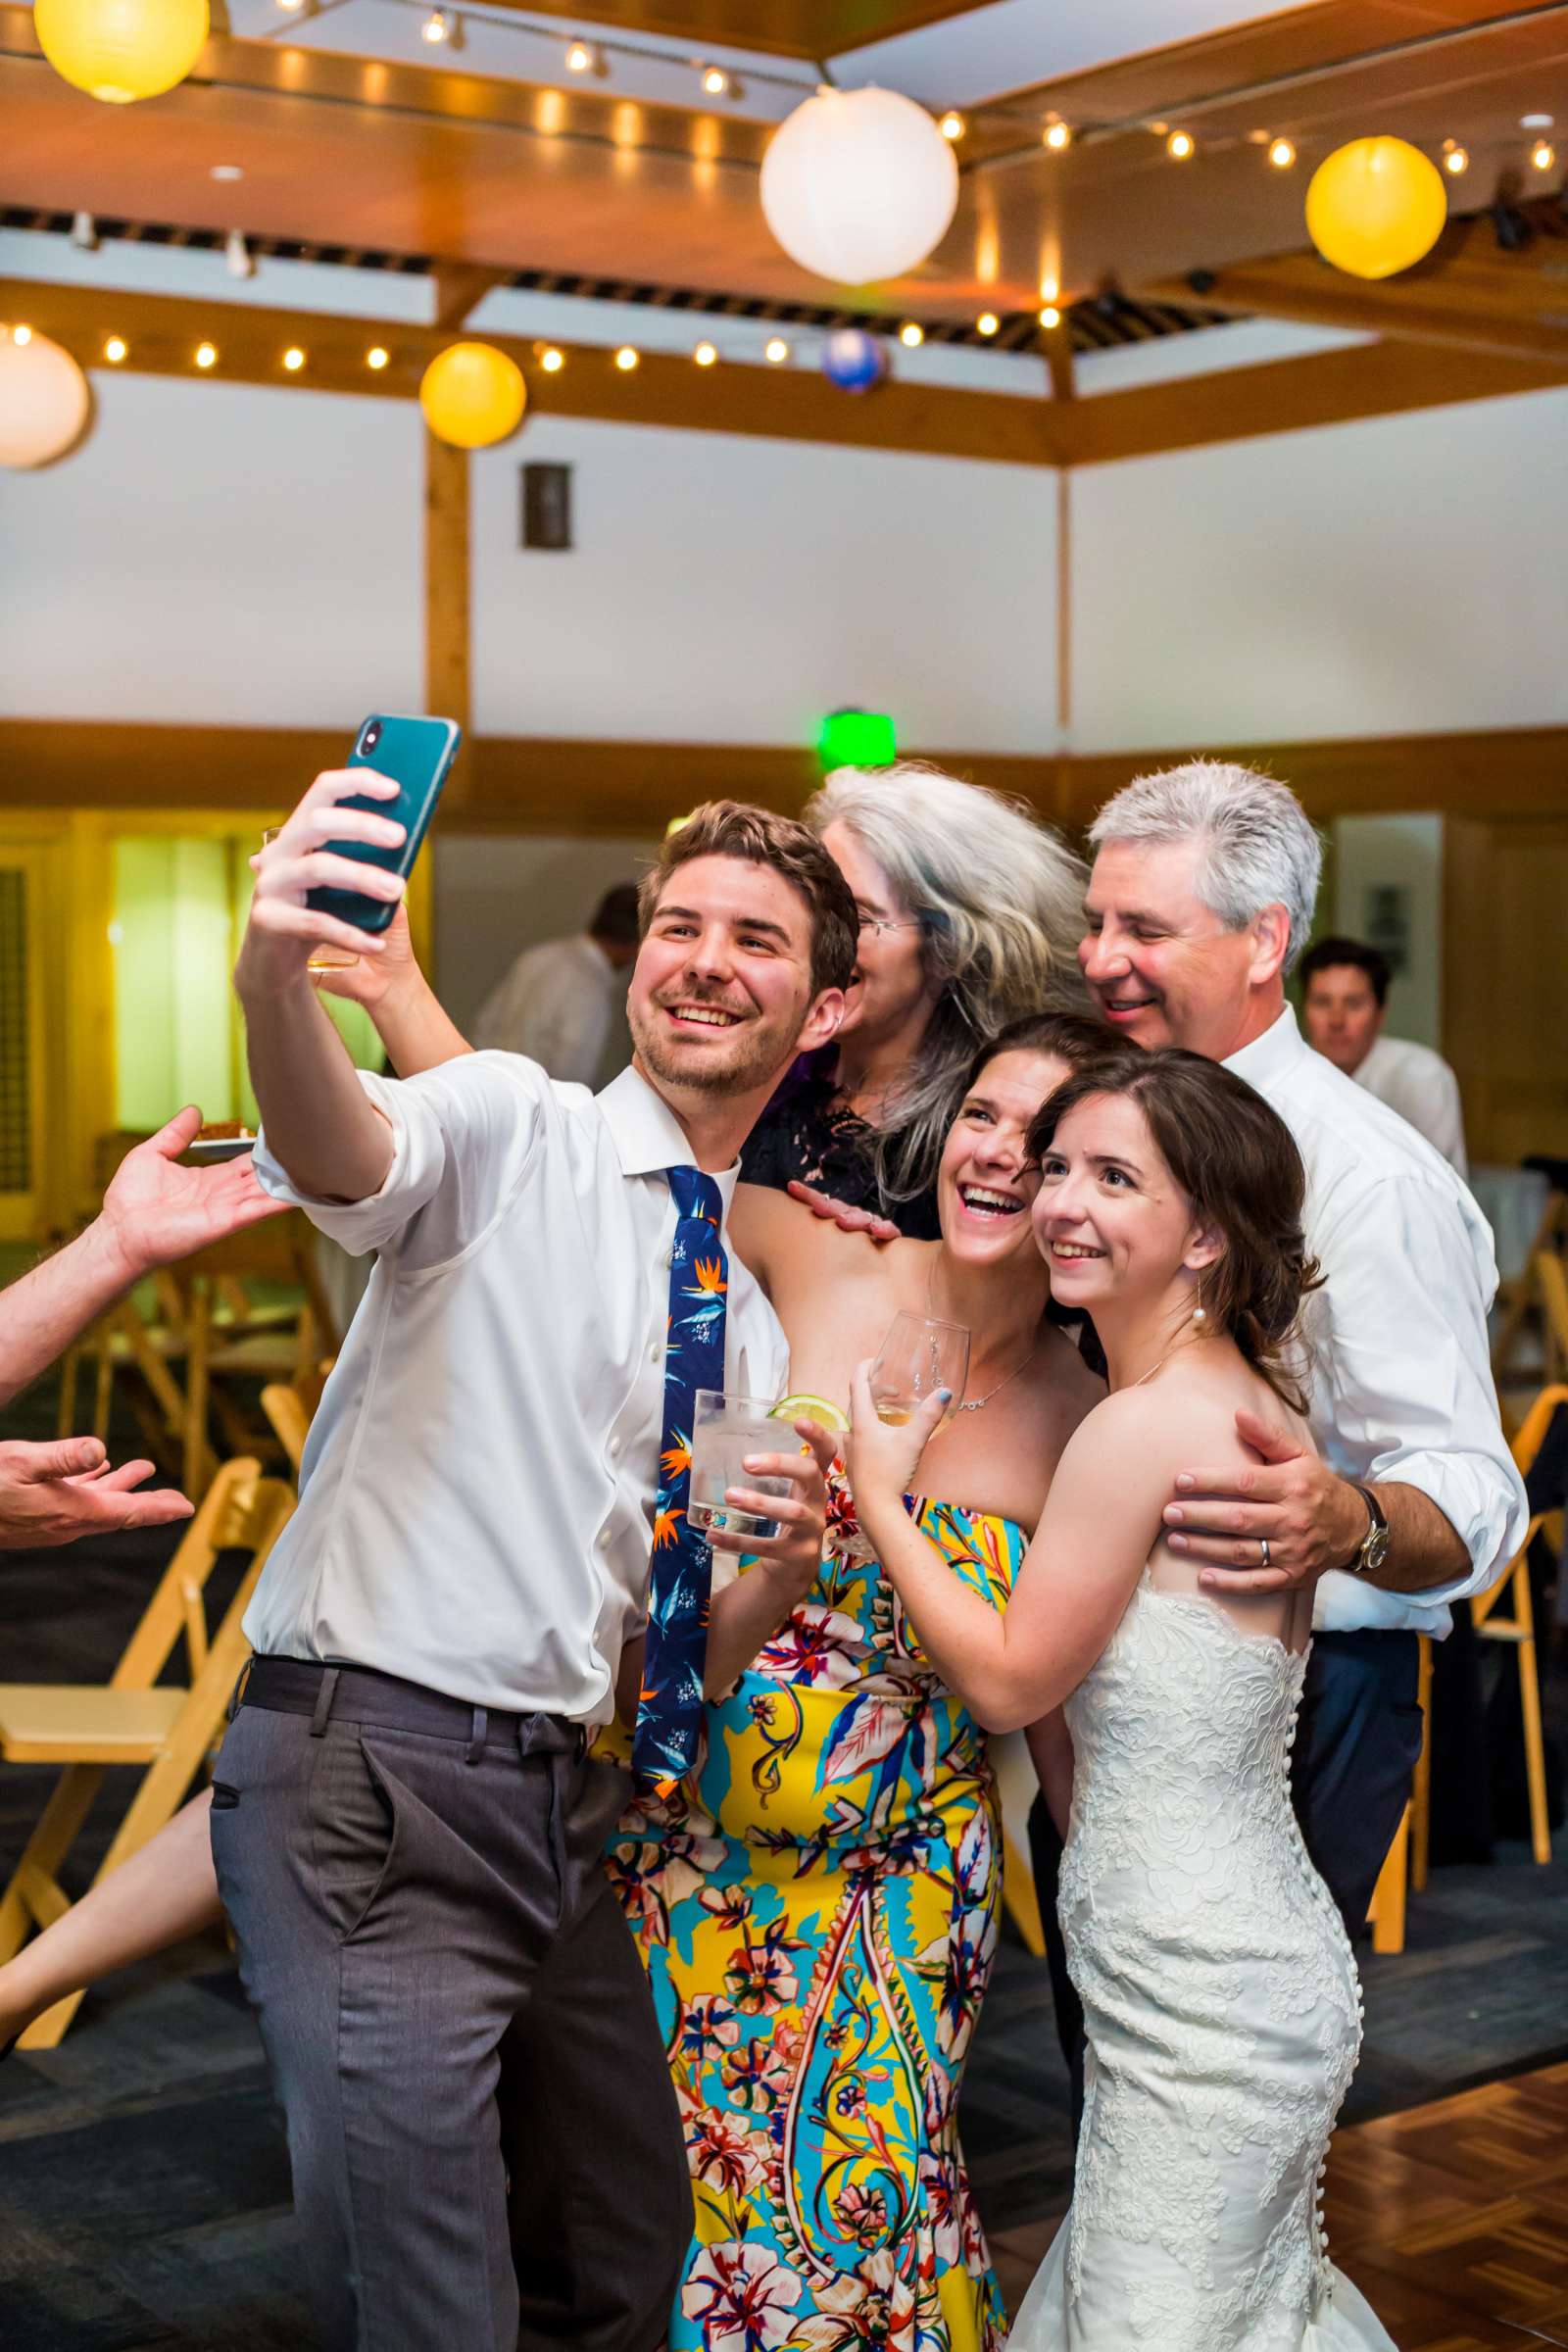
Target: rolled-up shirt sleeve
1403, 1390
464, 1137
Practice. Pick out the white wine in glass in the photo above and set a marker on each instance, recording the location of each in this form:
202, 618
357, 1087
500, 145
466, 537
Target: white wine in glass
919, 1354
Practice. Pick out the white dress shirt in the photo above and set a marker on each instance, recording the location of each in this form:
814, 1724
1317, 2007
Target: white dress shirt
1399, 1385
558, 1004
476, 1495
1421, 1087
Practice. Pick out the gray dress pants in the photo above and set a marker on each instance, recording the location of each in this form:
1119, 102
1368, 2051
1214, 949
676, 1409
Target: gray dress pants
486, 2150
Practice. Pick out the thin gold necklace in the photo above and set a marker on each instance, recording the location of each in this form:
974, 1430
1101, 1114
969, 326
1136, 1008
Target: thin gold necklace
976, 1404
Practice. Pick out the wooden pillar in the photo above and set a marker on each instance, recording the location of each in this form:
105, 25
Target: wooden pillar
448, 638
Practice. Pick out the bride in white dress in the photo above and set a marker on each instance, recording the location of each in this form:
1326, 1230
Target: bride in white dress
1220, 1992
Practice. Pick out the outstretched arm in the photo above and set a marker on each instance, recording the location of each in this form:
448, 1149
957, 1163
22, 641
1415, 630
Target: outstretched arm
322, 1127
1098, 1526
153, 1213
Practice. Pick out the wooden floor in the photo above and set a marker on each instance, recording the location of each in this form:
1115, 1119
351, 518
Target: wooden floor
1452, 2219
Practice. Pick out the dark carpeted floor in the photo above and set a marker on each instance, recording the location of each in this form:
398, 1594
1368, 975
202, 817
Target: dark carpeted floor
144, 2197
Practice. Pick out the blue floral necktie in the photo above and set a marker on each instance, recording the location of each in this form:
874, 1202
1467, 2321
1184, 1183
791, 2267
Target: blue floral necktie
669, 1714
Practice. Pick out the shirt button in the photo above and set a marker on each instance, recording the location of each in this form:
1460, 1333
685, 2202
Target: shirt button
656, 1352
604, 1539
614, 1447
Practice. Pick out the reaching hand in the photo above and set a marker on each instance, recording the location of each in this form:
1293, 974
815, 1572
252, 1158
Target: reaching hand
794, 1556
1291, 1501
371, 979
155, 1210
884, 1456
843, 1213
51, 1495
282, 929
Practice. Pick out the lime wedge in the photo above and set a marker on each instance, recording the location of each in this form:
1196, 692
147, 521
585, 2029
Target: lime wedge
810, 1408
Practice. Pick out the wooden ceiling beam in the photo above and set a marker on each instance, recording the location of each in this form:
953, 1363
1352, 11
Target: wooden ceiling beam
459, 289
793, 403
1287, 396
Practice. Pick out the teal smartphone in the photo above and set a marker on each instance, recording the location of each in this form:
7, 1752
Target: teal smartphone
417, 756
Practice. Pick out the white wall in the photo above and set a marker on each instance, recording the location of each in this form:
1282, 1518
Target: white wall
216, 552
726, 590
1399, 575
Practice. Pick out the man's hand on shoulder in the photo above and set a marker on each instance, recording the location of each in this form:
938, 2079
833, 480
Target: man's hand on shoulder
54, 1493
1271, 1526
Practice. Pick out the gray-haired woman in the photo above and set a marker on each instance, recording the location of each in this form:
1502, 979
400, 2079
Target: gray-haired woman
970, 914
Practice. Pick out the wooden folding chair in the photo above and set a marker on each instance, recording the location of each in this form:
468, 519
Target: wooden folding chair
290, 1407
254, 1345
134, 1719
1539, 1288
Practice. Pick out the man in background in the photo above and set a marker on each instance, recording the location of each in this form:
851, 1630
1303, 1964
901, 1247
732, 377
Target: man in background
563, 1003
1345, 1002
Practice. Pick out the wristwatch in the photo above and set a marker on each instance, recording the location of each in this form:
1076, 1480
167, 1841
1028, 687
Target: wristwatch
1373, 1549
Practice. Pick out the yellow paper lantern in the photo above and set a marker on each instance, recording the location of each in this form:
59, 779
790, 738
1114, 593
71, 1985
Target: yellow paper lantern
1375, 207
119, 50
45, 401
472, 395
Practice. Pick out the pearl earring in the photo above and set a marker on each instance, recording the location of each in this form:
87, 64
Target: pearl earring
1199, 1314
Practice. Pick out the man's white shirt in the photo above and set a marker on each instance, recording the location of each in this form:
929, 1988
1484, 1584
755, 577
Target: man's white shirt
562, 1004
1422, 1088
1399, 1384
476, 1495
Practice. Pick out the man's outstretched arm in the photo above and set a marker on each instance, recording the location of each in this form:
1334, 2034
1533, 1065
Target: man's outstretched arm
321, 1126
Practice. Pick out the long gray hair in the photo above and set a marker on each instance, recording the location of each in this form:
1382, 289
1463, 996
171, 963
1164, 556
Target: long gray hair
999, 898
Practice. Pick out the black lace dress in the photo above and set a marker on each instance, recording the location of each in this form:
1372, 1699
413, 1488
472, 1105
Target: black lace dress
810, 1135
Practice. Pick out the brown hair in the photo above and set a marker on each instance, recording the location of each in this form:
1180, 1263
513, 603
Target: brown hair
1071, 1037
732, 829
1237, 1162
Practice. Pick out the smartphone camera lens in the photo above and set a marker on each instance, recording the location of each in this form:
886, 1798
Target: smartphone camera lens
372, 736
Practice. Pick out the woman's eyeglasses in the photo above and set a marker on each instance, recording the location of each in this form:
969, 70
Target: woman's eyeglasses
885, 922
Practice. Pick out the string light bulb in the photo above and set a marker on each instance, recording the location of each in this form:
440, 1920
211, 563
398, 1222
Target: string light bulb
1542, 155
953, 124
580, 59
987, 323
628, 358
1050, 317
115, 350
1180, 146
207, 354
238, 258
435, 27
1455, 159
1281, 153
776, 350
715, 82
911, 335
22, 336
291, 8
377, 357
293, 359
1058, 134
705, 355
550, 360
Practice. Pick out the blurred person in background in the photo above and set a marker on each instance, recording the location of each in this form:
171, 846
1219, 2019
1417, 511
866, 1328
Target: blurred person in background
563, 1003
970, 912
1345, 1002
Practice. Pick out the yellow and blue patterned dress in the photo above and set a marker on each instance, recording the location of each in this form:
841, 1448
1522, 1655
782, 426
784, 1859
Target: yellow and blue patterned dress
817, 1908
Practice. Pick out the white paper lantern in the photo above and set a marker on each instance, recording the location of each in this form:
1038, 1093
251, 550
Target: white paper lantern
45, 400
858, 185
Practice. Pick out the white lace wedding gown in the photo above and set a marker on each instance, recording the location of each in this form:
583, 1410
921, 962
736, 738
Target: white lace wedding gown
1222, 2006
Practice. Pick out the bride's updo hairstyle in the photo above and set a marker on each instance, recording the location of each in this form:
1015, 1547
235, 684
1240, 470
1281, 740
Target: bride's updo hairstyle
1237, 1163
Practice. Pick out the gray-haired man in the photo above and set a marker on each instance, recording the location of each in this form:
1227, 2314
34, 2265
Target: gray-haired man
1198, 905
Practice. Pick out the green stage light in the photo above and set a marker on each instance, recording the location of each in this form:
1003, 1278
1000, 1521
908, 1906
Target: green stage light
855, 739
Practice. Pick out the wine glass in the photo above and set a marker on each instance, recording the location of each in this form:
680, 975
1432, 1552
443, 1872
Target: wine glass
918, 1354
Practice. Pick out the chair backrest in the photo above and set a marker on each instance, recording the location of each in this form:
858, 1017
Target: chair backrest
241, 1511
290, 1407
278, 1249
1526, 1444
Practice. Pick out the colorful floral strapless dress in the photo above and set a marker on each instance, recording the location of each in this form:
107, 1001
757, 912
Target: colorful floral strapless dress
817, 1908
